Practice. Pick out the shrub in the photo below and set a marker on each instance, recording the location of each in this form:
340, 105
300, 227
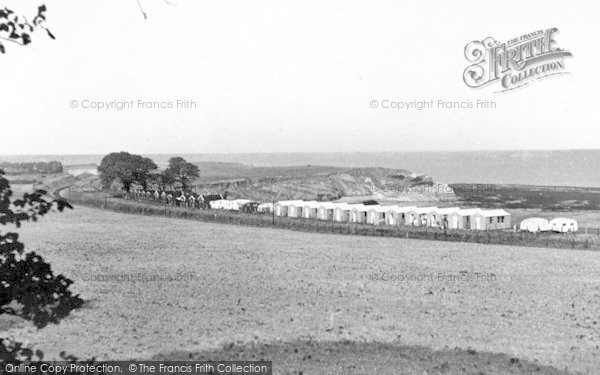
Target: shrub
28, 287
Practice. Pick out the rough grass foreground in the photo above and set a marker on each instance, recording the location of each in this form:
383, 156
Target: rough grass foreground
313, 301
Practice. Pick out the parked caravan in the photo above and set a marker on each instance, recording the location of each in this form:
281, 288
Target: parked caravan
563, 225
204, 200
535, 224
220, 204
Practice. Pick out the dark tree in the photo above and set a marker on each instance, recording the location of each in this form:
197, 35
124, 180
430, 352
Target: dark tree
182, 171
127, 168
17, 29
167, 178
28, 287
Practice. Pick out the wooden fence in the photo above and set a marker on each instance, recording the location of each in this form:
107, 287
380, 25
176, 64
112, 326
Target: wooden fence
584, 239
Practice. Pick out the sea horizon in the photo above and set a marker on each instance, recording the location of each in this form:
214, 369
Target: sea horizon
576, 167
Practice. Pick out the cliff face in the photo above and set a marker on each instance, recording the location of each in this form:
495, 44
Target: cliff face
351, 184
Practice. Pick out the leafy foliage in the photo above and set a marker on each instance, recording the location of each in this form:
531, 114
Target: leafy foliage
181, 171
127, 168
28, 287
17, 29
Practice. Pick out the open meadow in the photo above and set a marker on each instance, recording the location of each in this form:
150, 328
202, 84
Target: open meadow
155, 286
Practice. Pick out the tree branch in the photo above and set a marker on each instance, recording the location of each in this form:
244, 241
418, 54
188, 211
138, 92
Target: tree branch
142, 9
12, 40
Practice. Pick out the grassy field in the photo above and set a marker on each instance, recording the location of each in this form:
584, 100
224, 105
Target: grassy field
547, 198
315, 303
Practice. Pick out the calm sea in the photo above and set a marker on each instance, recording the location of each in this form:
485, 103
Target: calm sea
557, 168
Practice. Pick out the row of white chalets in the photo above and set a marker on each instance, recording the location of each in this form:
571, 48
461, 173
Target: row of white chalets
446, 218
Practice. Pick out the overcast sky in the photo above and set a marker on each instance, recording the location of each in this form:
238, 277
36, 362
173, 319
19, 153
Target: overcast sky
297, 76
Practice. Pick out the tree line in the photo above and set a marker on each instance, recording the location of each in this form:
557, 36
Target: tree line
129, 169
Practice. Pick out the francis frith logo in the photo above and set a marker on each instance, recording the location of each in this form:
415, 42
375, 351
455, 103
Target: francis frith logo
514, 63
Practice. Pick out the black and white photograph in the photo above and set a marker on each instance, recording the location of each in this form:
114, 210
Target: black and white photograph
300, 187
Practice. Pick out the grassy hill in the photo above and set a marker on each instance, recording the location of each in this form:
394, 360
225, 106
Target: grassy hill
318, 183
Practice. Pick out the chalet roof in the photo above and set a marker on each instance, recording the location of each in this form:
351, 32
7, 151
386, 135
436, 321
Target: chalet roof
491, 213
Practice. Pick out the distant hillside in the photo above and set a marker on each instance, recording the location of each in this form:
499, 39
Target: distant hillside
52, 167
319, 183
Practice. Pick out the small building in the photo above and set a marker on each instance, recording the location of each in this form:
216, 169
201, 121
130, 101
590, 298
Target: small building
310, 209
341, 212
265, 208
282, 208
249, 207
359, 213
296, 208
534, 224
440, 218
237, 204
563, 225
377, 215
419, 216
325, 211
492, 220
397, 215
464, 219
